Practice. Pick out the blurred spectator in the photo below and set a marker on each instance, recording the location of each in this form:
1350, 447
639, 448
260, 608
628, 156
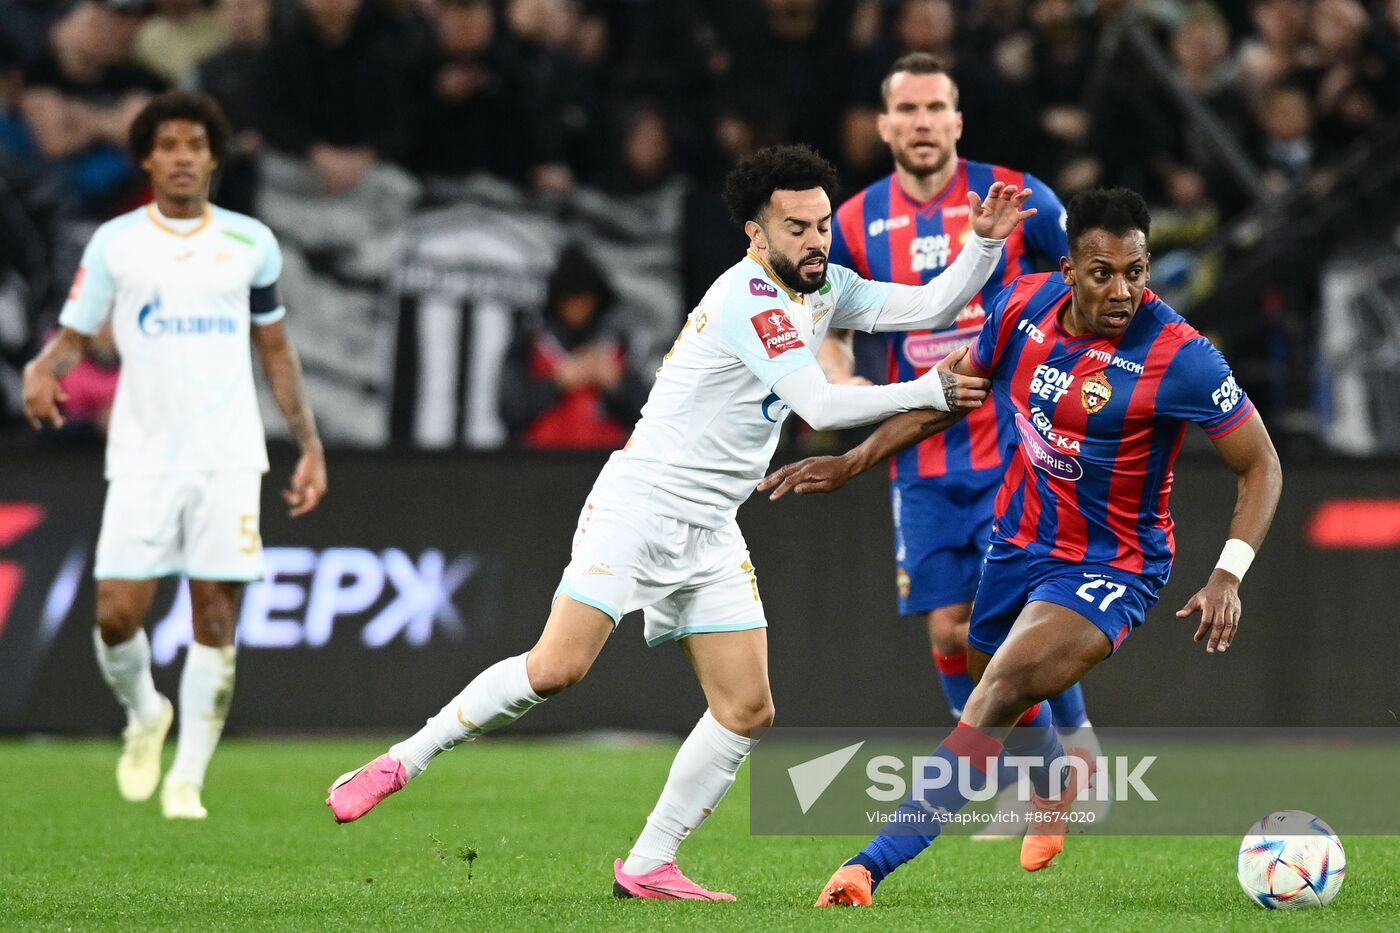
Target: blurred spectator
563, 51
1356, 84
1286, 149
789, 70
566, 382
332, 89
479, 111
230, 77
79, 98
931, 26
646, 157
181, 33
1277, 50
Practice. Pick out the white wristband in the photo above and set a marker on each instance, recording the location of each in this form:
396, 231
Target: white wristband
1235, 557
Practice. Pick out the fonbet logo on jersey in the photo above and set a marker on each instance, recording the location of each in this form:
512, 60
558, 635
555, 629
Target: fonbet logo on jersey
776, 332
1227, 396
1042, 457
153, 323
1050, 383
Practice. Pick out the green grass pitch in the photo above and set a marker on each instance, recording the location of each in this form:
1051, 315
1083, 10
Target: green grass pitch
545, 820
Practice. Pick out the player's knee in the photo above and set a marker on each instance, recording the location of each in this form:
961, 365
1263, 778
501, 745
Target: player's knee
550, 675
117, 621
1004, 693
744, 716
947, 630
215, 628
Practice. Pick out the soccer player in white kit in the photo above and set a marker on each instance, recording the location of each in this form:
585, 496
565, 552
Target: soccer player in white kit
658, 532
187, 286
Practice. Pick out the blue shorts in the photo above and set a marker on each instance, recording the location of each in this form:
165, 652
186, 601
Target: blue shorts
941, 526
1114, 600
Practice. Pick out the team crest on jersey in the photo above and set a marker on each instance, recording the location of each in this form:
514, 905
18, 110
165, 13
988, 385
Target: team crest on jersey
762, 289
776, 332
77, 283
901, 583
1094, 392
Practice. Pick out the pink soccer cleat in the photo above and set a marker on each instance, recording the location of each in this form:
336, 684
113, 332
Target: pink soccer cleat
664, 883
357, 792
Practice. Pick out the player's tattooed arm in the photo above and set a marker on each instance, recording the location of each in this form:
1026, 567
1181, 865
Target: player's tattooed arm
1250, 454
282, 368
42, 393
904, 430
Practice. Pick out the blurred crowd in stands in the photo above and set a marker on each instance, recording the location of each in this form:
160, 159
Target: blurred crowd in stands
627, 96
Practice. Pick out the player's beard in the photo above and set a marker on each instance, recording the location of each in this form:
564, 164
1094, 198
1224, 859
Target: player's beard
902, 159
792, 276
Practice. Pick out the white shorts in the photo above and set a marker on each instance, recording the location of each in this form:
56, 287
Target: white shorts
200, 524
688, 579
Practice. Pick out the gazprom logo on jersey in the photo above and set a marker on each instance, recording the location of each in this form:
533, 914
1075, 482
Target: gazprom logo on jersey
1042, 456
154, 323
762, 289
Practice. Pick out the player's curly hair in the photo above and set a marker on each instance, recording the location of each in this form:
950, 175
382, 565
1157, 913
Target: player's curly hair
1117, 210
178, 105
752, 182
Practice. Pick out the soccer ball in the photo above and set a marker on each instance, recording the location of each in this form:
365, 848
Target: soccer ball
1291, 859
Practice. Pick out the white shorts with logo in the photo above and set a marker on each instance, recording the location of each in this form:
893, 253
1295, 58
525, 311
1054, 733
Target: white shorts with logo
688, 580
203, 525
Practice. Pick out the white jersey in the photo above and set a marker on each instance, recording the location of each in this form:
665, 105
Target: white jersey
711, 423
178, 293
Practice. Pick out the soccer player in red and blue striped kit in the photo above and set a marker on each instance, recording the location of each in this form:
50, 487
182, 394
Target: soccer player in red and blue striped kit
907, 228
1101, 377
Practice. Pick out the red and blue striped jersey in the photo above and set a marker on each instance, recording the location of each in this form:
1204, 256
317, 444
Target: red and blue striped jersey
886, 235
1098, 423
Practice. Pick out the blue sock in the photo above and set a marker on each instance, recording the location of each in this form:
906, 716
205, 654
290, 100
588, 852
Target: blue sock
953, 677
1034, 736
916, 828
1068, 709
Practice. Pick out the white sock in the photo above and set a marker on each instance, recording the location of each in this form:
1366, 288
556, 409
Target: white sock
206, 689
700, 776
127, 669
497, 696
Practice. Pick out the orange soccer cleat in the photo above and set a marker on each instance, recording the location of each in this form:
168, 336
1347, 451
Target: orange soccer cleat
849, 887
1046, 826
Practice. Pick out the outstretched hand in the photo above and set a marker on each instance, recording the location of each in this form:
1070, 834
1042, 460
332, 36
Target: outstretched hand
1219, 604
815, 474
997, 216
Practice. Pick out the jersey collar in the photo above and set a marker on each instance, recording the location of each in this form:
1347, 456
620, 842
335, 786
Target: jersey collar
800, 299
155, 218
922, 206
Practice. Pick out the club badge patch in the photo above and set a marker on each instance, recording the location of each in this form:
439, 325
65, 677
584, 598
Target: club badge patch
1094, 392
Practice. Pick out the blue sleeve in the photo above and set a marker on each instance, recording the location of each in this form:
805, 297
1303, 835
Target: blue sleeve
90, 298
1045, 232
840, 252
984, 349
1199, 386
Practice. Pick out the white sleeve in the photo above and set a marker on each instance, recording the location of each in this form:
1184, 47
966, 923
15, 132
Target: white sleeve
90, 298
935, 305
828, 407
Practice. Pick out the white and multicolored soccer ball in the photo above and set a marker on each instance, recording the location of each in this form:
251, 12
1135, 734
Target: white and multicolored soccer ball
1291, 859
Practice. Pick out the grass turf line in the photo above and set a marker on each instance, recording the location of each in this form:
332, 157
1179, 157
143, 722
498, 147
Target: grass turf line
546, 819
